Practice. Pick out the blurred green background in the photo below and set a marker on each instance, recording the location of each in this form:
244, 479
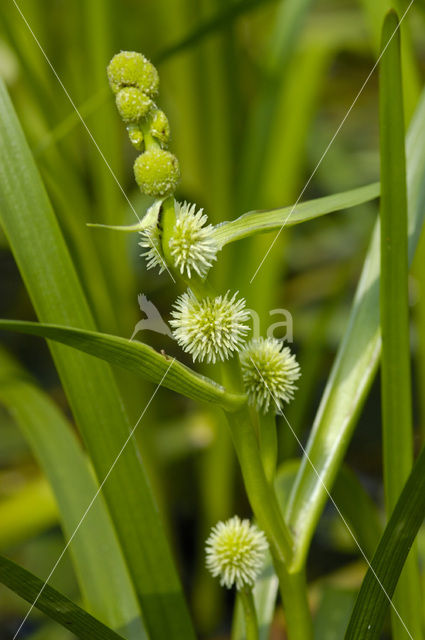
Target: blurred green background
254, 91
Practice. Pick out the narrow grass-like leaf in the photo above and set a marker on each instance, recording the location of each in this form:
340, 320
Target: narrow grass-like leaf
255, 222
53, 604
397, 430
206, 28
53, 285
372, 604
355, 364
138, 357
102, 575
288, 23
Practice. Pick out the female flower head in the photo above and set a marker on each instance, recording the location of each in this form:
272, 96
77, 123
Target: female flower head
269, 372
191, 245
235, 551
210, 329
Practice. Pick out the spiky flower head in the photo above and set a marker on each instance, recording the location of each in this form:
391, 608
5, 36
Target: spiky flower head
269, 371
191, 245
235, 551
160, 127
157, 172
132, 69
210, 329
151, 238
133, 104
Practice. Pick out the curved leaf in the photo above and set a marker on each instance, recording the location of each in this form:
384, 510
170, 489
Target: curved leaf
255, 222
135, 356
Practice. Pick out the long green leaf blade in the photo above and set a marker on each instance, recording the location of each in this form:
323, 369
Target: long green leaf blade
397, 427
101, 573
355, 364
53, 603
53, 285
372, 603
254, 222
135, 356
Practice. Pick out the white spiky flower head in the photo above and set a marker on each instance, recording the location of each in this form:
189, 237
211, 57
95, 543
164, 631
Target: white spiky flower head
210, 329
191, 245
235, 551
151, 238
269, 371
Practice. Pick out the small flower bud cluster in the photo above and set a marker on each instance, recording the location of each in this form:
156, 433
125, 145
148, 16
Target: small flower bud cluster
135, 82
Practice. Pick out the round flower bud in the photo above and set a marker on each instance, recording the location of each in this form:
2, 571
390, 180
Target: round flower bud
136, 136
236, 552
160, 128
157, 173
132, 69
132, 104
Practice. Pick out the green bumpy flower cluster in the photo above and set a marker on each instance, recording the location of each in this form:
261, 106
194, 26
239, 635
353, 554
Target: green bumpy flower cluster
135, 82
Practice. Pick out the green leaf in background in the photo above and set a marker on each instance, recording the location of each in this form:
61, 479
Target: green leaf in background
372, 603
255, 222
53, 603
221, 20
46, 268
397, 428
27, 512
355, 364
100, 569
138, 357
333, 613
358, 510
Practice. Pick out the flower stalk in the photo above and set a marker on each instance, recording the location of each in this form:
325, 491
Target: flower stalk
250, 614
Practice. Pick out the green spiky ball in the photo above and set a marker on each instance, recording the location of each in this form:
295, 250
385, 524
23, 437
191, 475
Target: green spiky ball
132, 104
157, 173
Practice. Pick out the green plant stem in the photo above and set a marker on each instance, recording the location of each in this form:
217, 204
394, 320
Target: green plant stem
261, 495
293, 589
263, 500
167, 221
250, 614
268, 443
